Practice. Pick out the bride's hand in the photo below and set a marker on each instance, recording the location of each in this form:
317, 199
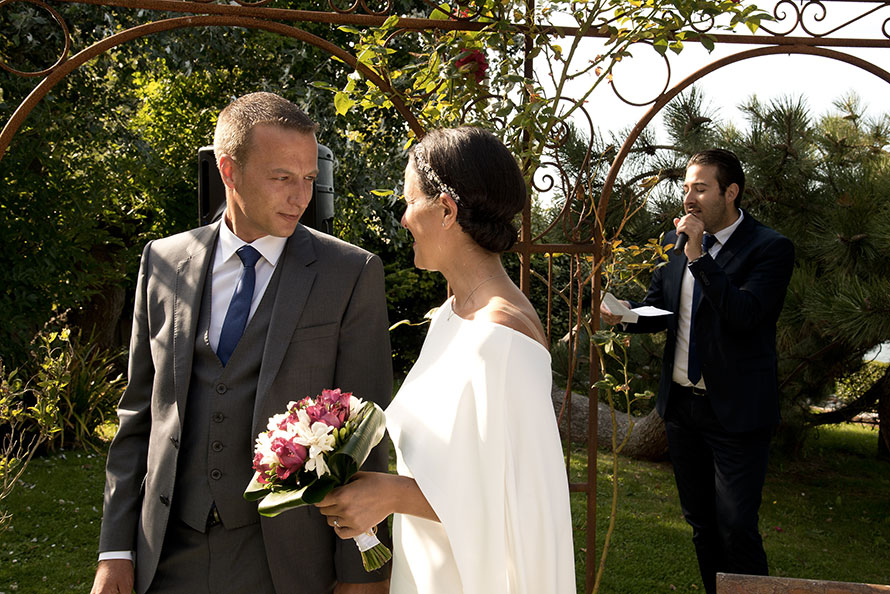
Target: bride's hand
359, 505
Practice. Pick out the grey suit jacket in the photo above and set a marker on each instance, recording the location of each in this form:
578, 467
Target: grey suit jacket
328, 330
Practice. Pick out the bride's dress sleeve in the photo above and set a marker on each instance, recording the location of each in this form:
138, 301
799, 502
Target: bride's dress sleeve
538, 517
492, 469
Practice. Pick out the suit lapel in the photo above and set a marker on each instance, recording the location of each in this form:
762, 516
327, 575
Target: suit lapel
294, 285
737, 243
191, 274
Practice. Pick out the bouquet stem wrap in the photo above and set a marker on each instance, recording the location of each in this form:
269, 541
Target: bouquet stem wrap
374, 553
317, 445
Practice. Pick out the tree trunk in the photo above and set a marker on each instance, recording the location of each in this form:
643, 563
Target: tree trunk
98, 318
647, 441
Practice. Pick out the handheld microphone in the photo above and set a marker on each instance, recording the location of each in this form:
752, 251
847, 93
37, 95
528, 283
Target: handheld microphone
682, 238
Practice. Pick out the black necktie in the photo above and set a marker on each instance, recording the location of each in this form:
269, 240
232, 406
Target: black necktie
239, 308
693, 369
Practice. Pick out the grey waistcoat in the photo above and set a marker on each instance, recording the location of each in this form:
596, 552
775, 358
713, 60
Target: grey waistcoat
216, 454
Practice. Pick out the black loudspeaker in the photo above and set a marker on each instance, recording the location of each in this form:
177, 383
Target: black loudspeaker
212, 192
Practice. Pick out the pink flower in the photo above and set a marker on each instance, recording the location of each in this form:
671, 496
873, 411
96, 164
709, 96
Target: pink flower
291, 457
261, 468
335, 397
316, 412
474, 63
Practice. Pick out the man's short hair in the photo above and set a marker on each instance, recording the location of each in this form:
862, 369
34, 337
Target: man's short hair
729, 169
236, 122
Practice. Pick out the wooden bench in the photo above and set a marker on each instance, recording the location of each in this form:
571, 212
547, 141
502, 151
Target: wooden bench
731, 583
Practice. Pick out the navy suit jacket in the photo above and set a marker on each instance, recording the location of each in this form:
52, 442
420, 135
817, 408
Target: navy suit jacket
743, 289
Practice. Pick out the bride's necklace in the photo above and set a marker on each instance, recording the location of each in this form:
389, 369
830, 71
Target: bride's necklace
467, 300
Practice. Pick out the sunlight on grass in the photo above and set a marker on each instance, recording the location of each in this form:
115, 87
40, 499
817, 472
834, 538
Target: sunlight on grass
825, 516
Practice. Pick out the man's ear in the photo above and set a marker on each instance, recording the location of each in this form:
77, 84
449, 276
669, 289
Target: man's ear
228, 170
731, 192
449, 209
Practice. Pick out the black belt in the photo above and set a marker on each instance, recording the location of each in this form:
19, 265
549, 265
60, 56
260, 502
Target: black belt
689, 390
213, 518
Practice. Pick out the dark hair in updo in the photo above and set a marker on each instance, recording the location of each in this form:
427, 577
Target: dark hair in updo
473, 164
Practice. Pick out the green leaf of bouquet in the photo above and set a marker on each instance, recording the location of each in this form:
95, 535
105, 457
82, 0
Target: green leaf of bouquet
280, 501
255, 490
319, 489
349, 458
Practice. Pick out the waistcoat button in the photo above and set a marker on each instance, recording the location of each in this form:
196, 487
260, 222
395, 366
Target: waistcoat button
221, 388
216, 474
217, 446
218, 417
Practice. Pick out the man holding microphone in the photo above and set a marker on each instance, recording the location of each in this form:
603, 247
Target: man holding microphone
718, 394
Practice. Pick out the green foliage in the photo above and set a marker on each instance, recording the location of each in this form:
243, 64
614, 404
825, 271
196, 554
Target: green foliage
85, 382
852, 387
26, 421
438, 83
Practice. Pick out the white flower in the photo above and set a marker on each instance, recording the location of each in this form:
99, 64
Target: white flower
264, 447
355, 405
275, 421
317, 437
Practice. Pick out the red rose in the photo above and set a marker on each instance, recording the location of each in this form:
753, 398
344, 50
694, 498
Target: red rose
474, 63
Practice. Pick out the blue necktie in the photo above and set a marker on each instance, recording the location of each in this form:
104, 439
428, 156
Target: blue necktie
239, 308
693, 369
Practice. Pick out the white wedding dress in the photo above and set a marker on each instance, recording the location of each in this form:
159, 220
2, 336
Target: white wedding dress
473, 424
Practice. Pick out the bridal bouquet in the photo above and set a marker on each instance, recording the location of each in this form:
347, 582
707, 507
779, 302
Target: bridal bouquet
315, 445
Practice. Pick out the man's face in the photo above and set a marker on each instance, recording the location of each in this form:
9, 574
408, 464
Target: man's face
703, 199
273, 186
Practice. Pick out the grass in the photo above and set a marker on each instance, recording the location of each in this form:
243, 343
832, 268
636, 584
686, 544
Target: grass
825, 516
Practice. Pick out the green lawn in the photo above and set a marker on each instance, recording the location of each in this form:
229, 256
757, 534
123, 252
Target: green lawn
825, 516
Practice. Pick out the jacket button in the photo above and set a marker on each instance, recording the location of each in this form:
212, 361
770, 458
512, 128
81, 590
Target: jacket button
164, 499
175, 442
221, 388
216, 474
218, 417
217, 446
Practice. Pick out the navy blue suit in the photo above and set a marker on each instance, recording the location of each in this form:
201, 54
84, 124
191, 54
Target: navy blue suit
719, 441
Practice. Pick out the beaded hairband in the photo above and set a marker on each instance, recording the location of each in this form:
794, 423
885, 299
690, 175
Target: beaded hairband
424, 166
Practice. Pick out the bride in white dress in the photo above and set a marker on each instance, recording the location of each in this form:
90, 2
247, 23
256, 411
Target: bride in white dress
481, 498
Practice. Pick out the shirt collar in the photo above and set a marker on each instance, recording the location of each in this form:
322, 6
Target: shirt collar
724, 234
269, 246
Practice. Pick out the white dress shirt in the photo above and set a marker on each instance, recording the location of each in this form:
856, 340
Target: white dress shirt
227, 267
226, 271
681, 352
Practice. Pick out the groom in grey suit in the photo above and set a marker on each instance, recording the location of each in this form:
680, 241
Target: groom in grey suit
174, 517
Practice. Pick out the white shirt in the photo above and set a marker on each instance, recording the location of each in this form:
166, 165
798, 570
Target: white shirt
226, 271
681, 352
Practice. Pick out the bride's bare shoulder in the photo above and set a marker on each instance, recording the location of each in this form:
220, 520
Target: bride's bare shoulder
520, 317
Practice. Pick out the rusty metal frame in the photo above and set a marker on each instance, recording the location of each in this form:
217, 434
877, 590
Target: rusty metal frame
584, 250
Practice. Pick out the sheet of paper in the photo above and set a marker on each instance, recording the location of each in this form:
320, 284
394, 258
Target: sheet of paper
630, 315
649, 311
618, 308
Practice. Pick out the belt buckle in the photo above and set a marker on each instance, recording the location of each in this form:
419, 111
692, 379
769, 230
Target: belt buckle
213, 517
698, 391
